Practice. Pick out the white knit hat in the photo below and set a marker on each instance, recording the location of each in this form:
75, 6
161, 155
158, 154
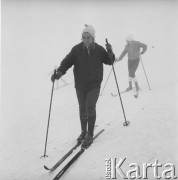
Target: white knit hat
129, 37
89, 29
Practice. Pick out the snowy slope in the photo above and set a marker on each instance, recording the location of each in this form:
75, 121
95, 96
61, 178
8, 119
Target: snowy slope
29, 54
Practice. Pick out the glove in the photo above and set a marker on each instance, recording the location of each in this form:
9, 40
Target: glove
109, 47
55, 76
142, 52
117, 59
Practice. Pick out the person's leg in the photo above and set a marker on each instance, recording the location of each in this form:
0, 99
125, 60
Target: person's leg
92, 97
130, 73
134, 68
82, 97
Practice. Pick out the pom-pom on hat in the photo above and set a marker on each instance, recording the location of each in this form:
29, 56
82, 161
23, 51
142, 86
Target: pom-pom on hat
89, 29
129, 37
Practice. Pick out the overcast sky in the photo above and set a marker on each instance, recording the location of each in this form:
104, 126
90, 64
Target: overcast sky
37, 34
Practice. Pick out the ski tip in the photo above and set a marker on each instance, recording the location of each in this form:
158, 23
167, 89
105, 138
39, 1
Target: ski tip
46, 168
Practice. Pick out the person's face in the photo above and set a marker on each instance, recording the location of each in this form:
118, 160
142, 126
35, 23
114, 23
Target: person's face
87, 38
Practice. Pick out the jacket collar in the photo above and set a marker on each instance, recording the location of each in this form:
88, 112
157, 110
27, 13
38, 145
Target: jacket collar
92, 46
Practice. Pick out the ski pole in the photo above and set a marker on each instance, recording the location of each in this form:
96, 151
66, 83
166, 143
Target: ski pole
49, 118
145, 73
126, 123
106, 82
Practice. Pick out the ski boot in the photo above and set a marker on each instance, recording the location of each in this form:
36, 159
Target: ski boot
87, 141
81, 138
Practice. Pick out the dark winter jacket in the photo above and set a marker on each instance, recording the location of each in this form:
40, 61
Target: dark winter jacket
133, 50
88, 66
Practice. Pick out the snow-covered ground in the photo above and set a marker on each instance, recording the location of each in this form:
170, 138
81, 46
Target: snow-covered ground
36, 35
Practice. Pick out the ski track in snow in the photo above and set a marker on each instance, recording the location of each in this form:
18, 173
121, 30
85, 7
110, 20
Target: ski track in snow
151, 134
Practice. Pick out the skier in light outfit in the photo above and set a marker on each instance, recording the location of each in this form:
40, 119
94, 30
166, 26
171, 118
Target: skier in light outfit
132, 49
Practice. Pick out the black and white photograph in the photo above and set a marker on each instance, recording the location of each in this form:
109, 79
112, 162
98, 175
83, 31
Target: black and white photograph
89, 89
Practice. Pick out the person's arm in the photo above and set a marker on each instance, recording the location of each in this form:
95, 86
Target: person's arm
66, 63
144, 48
124, 52
108, 56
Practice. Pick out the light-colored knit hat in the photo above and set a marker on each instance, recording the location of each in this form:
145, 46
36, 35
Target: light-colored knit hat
89, 29
129, 37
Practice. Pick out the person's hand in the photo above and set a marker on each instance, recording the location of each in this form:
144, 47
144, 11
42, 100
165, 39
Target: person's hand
108, 47
117, 59
142, 53
56, 76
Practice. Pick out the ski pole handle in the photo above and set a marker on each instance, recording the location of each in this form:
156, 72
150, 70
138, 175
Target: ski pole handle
108, 46
107, 41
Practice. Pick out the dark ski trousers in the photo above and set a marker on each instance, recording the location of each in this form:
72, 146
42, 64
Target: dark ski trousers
87, 100
132, 67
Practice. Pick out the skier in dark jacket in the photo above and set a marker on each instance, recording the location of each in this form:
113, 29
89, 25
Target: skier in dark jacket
132, 49
87, 58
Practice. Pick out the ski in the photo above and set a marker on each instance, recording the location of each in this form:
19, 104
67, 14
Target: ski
114, 95
64, 169
63, 158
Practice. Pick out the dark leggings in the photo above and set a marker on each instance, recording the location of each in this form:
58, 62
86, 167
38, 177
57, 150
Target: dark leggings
87, 100
132, 67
